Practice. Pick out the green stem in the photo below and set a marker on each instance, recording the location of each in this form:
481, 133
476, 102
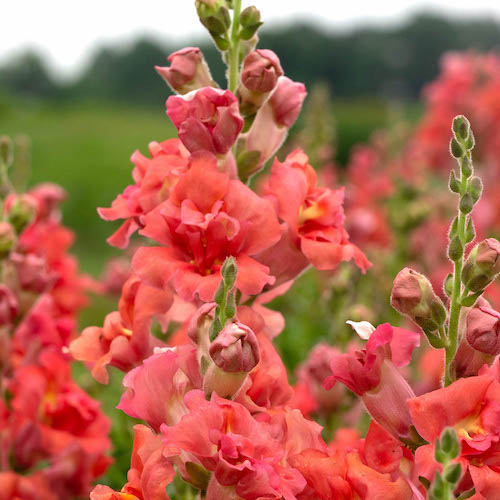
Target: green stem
456, 296
234, 51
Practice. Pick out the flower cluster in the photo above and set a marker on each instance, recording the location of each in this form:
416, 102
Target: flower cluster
53, 436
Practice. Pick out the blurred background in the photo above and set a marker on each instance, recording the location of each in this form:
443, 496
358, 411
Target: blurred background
78, 82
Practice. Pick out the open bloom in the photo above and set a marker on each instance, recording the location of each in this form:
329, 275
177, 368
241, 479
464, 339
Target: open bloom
124, 340
207, 119
207, 217
150, 472
153, 179
314, 217
156, 389
471, 406
243, 454
372, 373
375, 469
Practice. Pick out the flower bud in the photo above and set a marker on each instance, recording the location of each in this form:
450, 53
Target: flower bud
9, 307
236, 349
198, 331
250, 22
483, 330
261, 70
188, 71
482, 265
413, 296
287, 101
214, 15
7, 239
22, 211
260, 73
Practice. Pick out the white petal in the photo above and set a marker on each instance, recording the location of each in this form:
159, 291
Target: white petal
363, 328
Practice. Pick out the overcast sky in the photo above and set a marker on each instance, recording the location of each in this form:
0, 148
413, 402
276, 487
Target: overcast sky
66, 31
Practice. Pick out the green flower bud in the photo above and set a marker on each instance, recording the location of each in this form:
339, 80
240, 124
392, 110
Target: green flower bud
475, 188
229, 270
461, 127
455, 249
453, 183
466, 203
456, 149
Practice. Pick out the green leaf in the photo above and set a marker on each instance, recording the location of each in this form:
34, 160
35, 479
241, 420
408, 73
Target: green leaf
471, 299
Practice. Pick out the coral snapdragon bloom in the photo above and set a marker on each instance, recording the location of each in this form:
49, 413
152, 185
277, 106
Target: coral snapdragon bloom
124, 340
378, 468
314, 218
471, 406
153, 180
244, 455
207, 217
150, 472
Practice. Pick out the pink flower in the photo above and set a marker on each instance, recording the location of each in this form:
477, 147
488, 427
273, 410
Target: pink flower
150, 472
188, 71
9, 306
273, 121
314, 217
207, 119
207, 218
124, 340
156, 389
242, 453
153, 180
372, 374
471, 406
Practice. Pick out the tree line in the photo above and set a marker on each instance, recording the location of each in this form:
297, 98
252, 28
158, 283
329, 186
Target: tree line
391, 61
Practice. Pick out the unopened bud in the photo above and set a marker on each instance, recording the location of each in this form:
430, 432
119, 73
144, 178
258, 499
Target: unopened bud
475, 188
188, 71
250, 22
466, 166
483, 330
466, 204
461, 127
455, 249
229, 271
482, 265
456, 149
22, 211
260, 73
236, 349
261, 70
214, 15
8, 239
413, 296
